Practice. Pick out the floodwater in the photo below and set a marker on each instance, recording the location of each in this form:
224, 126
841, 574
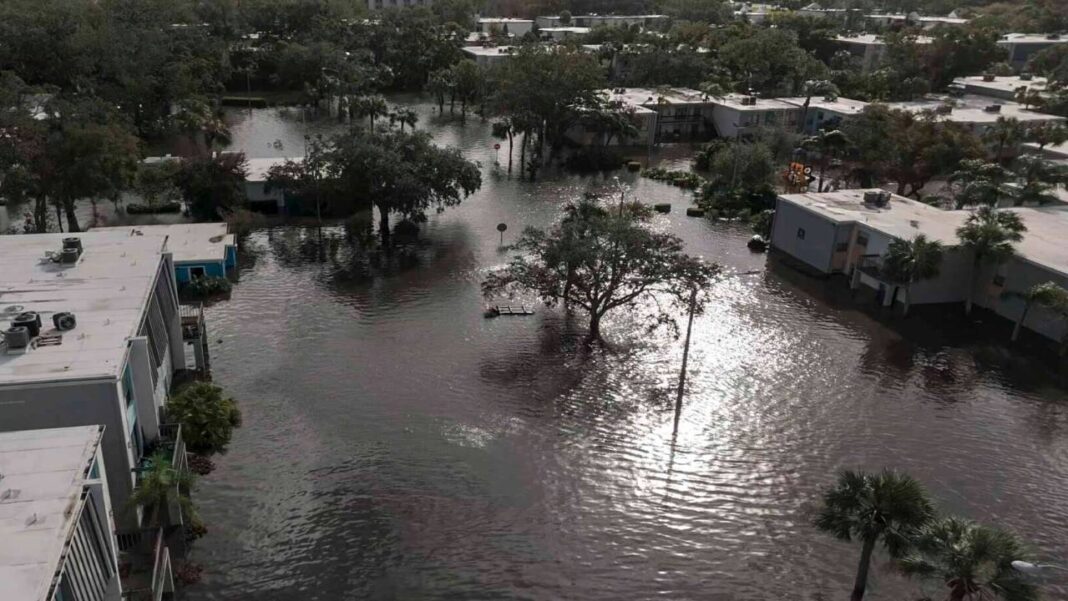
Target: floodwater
397, 445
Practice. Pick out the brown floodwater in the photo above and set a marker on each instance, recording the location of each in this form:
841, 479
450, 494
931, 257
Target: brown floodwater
397, 445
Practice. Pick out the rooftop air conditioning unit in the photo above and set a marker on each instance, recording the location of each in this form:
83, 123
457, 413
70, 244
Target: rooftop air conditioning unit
31, 320
17, 338
993, 108
871, 197
64, 321
1026, 77
749, 100
882, 198
1053, 36
988, 77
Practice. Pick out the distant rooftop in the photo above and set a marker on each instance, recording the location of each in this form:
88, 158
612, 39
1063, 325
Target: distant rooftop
1043, 243
107, 290
503, 20
575, 30
971, 108
188, 242
841, 106
47, 469
1003, 83
256, 170
1033, 38
871, 39
735, 101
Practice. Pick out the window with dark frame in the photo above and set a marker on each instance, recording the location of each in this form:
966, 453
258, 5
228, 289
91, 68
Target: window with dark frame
801, 233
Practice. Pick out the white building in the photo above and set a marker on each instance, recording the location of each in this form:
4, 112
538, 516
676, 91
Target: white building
849, 231
505, 27
914, 19
198, 249
91, 338
260, 198
381, 4
870, 49
826, 113
644, 21
753, 12
57, 540
562, 33
736, 115
816, 11
1022, 46
490, 56
1002, 87
977, 113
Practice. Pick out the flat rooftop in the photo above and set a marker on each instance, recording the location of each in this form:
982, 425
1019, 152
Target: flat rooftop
1032, 38
256, 170
904, 218
1008, 84
842, 106
734, 101
489, 51
1056, 152
48, 468
971, 108
871, 39
107, 290
187, 242
646, 97
503, 20
575, 30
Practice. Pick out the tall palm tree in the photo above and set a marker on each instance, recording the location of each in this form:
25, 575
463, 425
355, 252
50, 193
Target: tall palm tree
888, 507
1004, 136
977, 182
1048, 295
972, 560
816, 87
990, 235
371, 107
828, 144
404, 117
1037, 178
909, 261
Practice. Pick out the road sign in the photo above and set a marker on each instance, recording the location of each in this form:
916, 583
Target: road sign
501, 227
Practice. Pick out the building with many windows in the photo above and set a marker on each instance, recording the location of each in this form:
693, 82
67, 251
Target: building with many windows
92, 335
57, 540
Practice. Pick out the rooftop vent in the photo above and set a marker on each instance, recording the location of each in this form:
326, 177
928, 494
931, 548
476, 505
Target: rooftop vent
749, 100
879, 198
30, 320
17, 338
993, 108
988, 77
1026, 77
1053, 36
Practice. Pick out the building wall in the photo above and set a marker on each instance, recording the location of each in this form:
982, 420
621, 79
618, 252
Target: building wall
804, 235
80, 403
182, 271
512, 28
1020, 276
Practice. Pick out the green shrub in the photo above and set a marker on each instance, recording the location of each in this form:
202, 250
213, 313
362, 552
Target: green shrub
206, 287
208, 417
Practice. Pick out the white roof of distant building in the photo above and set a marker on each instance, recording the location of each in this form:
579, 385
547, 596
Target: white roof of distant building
188, 242
107, 290
1003, 83
256, 170
871, 39
1056, 152
971, 108
842, 106
1032, 38
48, 469
734, 101
502, 20
575, 30
1043, 243
490, 50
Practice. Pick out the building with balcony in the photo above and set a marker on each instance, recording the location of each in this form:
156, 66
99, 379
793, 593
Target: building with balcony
92, 336
870, 49
739, 115
849, 231
57, 540
198, 249
826, 113
1022, 46
977, 113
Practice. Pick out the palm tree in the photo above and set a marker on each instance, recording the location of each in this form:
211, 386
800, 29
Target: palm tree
977, 182
972, 560
909, 261
888, 507
817, 87
1037, 178
403, 117
1048, 295
1005, 135
371, 107
1047, 133
989, 234
159, 484
828, 144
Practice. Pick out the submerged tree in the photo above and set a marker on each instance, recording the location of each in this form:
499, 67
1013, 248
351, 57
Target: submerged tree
213, 186
909, 261
888, 508
1049, 295
208, 417
159, 485
601, 260
829, 145
972, 560
990, 235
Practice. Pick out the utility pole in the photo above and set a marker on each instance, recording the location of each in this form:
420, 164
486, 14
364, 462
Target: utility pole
685, 358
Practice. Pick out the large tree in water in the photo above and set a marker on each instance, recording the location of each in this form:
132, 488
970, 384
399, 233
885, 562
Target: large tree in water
600, 260
888, 508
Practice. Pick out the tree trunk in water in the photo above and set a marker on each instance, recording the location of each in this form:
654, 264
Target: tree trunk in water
523, 155
861, 583
72, 219
40, 215
510, 138
383, 225
971, 287
59, 217
463, 110
595, 328
908, 300
1019, 322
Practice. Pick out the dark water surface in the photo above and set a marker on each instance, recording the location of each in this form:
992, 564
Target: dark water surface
396, 445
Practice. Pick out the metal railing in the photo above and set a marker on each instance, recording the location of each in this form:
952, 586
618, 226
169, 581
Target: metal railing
170, 436
150, 570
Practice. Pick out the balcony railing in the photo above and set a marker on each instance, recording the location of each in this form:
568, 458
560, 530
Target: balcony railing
871, 265
170, 437
147, 563
192, 317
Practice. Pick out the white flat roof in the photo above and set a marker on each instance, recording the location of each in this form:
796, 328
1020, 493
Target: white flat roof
1009, 83
1043, 243
566, 29
842, 106
971, 108
188, 242
734, 101
107, 290
871, 39
48, 469
1031, 38
490, 51
492, 20
1055, 152
256, 169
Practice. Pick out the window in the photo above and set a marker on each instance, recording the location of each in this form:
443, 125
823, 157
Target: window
127, 385
196, 272
862, 240
801, 233
841, 247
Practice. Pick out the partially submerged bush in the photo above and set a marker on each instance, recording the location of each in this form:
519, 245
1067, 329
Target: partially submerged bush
208, 417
